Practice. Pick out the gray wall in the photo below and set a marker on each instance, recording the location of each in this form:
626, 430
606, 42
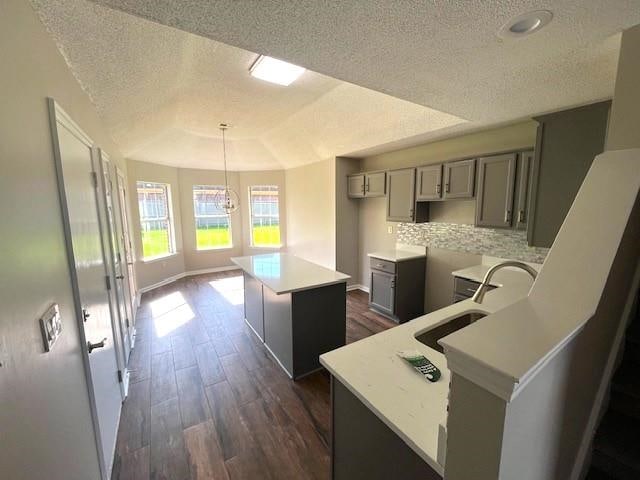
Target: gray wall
45, 421
346, 221
373, 228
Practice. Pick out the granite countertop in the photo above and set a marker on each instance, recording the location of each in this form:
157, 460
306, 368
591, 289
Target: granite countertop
284, 273
411, 406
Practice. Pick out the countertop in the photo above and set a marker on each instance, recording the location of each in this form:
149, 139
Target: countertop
500, 278
411, 406
284, 273
396, 255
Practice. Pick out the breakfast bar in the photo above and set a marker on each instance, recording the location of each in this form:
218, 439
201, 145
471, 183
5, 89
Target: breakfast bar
296, 307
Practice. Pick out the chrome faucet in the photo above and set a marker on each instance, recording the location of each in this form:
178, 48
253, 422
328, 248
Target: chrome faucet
482, 289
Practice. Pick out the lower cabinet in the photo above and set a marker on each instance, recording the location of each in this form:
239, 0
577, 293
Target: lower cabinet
463, 288
397, 288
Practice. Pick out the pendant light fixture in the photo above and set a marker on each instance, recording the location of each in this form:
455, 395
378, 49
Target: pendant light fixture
226, 199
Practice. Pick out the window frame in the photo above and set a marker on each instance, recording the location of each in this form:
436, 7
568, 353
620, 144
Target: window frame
219, 215
251, 217
168, 218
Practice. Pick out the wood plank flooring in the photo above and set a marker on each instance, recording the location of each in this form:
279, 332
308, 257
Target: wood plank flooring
207, 401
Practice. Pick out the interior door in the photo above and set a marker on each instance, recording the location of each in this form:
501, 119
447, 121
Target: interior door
114, 263
127, 249
76, 181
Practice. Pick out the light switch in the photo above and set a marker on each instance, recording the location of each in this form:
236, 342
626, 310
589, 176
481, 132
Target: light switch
50, 326
390, 229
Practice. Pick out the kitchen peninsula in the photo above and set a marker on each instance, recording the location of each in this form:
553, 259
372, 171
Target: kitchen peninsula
297, 308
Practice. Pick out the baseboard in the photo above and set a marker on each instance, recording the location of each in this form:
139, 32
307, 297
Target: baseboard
364, 288
190, 273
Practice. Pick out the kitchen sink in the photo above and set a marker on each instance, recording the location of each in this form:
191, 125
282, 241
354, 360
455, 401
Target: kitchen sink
430, 337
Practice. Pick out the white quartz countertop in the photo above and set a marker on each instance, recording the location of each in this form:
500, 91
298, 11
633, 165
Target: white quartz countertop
501, 278
396, 255
411, 406
284, 273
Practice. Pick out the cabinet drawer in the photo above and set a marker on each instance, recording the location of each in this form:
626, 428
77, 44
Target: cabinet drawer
384, 265
462, 286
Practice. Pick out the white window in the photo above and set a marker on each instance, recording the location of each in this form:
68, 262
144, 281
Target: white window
213, 228
156, 224
265, 216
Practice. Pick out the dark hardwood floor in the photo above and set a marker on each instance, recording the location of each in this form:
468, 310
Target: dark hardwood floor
207, 401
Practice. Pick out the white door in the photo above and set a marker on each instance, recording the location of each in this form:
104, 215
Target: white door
76, 180
115, 260
125, 240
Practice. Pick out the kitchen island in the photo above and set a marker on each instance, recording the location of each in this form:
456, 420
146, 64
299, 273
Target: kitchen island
295, 307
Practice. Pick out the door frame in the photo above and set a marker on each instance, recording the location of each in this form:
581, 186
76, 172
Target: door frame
100, 162
57, 114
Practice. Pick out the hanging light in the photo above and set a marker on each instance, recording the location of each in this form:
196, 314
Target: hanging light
226, 199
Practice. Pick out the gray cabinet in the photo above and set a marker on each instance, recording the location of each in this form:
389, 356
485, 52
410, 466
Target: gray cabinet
429, 183
375, 184
523, 189
463, 288
355, 185
368, 184
397, 288
401, 186
566, 144
459, 178
496, 181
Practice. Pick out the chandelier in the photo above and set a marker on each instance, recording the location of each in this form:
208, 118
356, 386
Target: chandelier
227, 198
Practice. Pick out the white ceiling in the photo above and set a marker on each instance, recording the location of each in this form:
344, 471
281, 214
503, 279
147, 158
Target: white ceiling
162, 93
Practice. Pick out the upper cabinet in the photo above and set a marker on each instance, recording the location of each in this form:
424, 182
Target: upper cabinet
566, 144
459, 179
504, 183
496, 181
369, 184
355, 185
401, 195
429, 183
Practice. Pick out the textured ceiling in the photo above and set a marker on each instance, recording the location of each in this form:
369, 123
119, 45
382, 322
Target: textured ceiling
162, 93
441, 54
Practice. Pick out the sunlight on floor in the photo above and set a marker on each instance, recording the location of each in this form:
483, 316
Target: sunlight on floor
231, 288
170, 321
167, 303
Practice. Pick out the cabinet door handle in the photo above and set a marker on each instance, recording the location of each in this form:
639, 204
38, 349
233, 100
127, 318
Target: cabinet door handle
521, 217
438, 187
507, 216
447, 188
368, 187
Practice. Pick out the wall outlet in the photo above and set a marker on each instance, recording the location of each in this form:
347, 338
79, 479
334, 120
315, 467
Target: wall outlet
390, 229
50, 326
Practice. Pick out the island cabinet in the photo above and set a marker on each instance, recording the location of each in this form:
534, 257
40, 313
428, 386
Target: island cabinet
368, 184
297, 308
364, 448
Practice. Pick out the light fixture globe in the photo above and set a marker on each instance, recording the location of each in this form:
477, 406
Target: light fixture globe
227, 199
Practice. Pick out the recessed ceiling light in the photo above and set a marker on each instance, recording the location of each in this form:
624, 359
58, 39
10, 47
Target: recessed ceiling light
275, 71
525, 24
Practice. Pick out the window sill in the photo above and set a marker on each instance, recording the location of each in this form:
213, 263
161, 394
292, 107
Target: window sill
159, 258
268, 247
214, 249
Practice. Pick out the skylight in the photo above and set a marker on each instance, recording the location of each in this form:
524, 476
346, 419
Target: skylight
275, 71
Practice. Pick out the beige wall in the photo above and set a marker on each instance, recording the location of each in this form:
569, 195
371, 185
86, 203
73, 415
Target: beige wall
187, 257
373, 227
623, 122
157, 270
45, 420
311, 213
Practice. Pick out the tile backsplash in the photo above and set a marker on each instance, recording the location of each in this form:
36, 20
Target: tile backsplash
470, 239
